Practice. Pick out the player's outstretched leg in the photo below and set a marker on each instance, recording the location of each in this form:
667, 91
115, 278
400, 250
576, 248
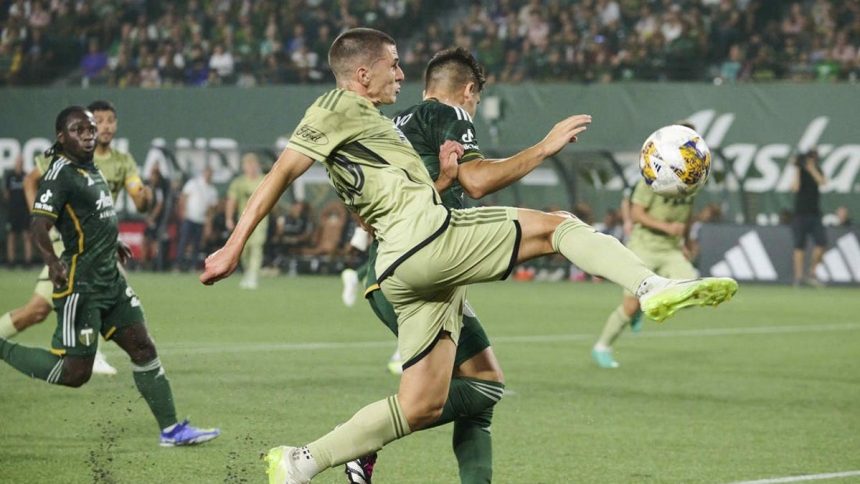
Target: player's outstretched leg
603, 255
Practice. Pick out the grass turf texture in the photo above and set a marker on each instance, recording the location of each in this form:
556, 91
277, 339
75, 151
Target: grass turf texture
685, 406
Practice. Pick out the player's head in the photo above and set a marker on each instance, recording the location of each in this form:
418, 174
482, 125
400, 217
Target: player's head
366, 61
251, 165
76, 134
105, 115
455, 74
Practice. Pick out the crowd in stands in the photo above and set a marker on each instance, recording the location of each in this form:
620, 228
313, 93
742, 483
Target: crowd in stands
260, 42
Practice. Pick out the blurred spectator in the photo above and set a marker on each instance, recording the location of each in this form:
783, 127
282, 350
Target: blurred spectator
18, 222
807, 216
329, 233
839, 218
156, 239
221, 62
94, 63
196, 207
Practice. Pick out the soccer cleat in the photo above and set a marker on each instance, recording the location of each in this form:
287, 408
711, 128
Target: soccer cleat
350, 286
101, 366
604, 358
359, 471
662, 302
184, 434
395, 364
281, 467
636, 322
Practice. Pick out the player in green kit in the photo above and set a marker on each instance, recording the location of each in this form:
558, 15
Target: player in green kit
120, 171
661, 228
91, 296
427, 253
238, 193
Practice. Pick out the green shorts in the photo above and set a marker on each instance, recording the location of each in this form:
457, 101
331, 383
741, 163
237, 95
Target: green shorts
81, 317
426, 286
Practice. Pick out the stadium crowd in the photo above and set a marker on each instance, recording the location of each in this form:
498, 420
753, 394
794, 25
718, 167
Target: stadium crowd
150, 44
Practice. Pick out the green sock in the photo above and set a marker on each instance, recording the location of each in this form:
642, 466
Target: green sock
599, 254
615, 325
153, 385
33, 362
473, 446
7, 329
367, 431
468, 397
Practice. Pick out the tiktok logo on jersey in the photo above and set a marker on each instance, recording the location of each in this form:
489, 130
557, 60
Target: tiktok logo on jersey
42, 203
468, 139
105, 205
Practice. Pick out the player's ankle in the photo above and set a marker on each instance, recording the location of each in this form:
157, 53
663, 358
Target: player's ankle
649, 284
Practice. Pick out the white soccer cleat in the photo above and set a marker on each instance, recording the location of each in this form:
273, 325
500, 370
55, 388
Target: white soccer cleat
281, 467
669, 295
101, 366
350, 287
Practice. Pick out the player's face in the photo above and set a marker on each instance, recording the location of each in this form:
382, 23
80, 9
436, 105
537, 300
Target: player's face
385, 76
78, 137
106, 123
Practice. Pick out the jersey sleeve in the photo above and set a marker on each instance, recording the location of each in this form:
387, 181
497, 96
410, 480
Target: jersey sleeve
642, 195
131, 179
322, 131
53, 192
457, 126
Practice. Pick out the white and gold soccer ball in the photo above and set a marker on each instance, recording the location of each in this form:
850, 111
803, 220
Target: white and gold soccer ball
675, 161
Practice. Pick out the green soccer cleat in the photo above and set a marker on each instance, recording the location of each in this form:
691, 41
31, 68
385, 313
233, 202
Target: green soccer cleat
661, 303
281, 468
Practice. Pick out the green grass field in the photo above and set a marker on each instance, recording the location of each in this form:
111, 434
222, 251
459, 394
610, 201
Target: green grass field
766, 386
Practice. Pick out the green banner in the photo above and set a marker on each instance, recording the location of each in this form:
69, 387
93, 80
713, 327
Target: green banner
755, 127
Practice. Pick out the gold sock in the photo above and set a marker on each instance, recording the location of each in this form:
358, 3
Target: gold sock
599, 254
615, 325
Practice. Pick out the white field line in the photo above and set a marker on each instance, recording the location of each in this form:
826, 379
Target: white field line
808, 477
203, 348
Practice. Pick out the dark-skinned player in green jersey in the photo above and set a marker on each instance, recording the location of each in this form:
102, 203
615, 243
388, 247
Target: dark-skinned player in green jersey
91, 296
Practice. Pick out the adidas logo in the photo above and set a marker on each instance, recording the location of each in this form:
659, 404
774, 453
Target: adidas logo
746, 261
842, 262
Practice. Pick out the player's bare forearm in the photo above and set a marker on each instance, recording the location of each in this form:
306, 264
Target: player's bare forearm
643, 218
31, 187
449, 164
482, 177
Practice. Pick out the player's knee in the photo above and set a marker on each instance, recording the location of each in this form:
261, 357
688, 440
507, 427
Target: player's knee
420, 413
76, 375
564, 214
33, 313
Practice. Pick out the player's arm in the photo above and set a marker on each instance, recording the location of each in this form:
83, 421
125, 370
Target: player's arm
49, 200
31, 186
140, 194
290, 165
481, 177
640, 215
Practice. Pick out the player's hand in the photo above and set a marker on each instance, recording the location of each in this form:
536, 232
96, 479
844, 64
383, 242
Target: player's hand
564, 132
123, 252
676, 229
219, 265
449, 162
58, 273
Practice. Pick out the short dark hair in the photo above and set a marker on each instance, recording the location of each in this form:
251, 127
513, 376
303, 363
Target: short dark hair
101, 105
455, 66
356, 45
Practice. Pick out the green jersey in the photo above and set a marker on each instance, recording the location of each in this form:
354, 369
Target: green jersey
374, 170
427, 126
76, 197
661, 208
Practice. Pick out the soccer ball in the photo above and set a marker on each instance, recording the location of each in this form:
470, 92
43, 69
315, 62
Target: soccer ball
675, 161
